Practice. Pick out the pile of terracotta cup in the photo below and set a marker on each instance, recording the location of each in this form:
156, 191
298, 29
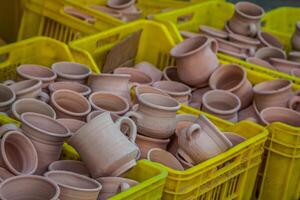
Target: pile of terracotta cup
243, 39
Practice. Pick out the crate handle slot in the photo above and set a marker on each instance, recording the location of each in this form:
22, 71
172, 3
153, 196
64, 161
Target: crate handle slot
79, 15
185, 18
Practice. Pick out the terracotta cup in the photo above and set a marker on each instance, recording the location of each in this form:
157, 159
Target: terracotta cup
235, 49
69, 85
296, 37
170, 74
246, 19
71, 71
274, 93
268, 40
260, 62
72, 124
279, 114
150, 70
137, 75
95, 113
196, 60
29, 187
69, 165
251, 43
202, 141
213, 32
36, 72
146, 143
29, 89
266, 53
294, 56
114, 185
165, 158
117, 83
179, 91
108, 101
7, 97
31, 105
233, 78
104, 148
47, 136
75, 186
222, 104
155, 109
143, 89
69, 104
18, 154
284, 65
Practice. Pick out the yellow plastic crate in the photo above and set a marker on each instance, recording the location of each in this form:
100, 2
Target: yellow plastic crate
48, 18
215, 14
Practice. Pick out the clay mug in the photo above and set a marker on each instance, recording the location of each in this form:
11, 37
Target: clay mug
296, 38
74, 166
155, 109
117, 83
69, 104
274, 93
137, 75
31, 105
251, 43
69, 85
268, 40
104, 149
29, 187
202, 141
165, 158
279, 114
75, 186
7, 97
294, 56
284, 65
150, 70
47, 136
114, 185
260, 62
196, 60
72, 124
18, 154
233, 78
28, 89
213, 32
36, 72
246, 19
95, 113
266, 53
170, 74
235, 50
108, 101
179, 91
71, 71
143, 89
222, 104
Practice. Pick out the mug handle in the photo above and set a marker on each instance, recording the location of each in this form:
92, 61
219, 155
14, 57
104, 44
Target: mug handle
194, 128
132, 127
9, 82
43, 96
133, 114
292, 101
123, 186
214, 45
253, 29
8, 127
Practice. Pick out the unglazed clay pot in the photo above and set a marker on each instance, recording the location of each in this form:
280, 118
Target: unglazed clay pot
279, 114
246, 18
72, 124
47, 136
95, 113
117, 83
269, 40
31, 105
202, 141
69, 104
29, 89
114, 185
284, 65
170, 74
233, 78
266, 53
184, 163
165, 158
179, 91
294, 56
196, 60
5, 174
143, 89
74, 166
234, 138
69, 85
137, 76
29, 187
70, 71
150, 70
259, 62
36, 72
222, 104
244, 40
75, 186
234, 49
155, 109
146, 143
213, 32
107, 101
274, 93
7, 97
104, 148
296, 38
18, 154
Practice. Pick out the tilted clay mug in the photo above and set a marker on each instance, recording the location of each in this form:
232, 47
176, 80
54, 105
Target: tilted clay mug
268, 40
266, 53
196, 60
74, 166
284, 65
246, 19
279, 114
137, 76
104, 149
143, 89
69, 85
150, 70
202, 141
72, 124
155, 115
7, 97
296, 38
